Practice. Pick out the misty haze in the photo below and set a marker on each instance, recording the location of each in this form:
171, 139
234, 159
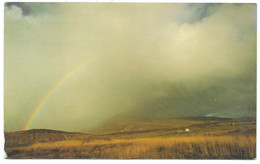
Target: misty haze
130, 80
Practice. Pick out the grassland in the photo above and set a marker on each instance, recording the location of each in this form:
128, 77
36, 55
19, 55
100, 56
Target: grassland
199, 147
215, 140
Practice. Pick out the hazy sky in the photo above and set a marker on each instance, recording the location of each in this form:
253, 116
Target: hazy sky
149, 60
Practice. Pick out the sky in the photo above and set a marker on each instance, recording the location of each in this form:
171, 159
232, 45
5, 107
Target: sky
69, 66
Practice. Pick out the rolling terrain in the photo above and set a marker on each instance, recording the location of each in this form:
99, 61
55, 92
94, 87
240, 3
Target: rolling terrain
129, 124
207, 138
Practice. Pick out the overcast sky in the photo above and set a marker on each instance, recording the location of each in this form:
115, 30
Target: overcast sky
149, 60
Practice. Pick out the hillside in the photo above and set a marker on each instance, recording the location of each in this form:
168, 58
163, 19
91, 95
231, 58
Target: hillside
127, 124
29, 137
122, 124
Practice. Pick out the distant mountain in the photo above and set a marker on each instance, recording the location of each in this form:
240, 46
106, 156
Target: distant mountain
220, 118
118, 124
207, 118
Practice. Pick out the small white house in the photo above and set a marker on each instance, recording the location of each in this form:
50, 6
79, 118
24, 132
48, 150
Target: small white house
187, 130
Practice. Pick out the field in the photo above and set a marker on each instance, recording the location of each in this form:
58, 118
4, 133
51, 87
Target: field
222, 140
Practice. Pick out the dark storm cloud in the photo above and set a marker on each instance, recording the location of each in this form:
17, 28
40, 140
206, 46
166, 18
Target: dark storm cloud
200, 11
204, 11
25, 9
234, 97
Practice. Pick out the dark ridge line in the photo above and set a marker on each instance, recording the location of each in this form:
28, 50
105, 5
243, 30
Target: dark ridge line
44, 131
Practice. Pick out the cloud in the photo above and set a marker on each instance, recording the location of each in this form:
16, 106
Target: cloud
194, 13
154, 60
25, 10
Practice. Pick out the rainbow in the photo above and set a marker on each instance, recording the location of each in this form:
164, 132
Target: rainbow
50, 92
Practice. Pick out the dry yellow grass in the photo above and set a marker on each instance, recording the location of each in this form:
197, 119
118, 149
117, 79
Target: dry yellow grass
189, 147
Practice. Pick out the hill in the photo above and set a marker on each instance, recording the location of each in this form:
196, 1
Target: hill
127, 124
29, 137
123, 124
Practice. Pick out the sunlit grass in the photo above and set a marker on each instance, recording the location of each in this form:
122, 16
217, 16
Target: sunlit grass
188, 147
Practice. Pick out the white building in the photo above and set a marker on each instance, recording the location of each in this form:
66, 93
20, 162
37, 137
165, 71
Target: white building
187, 130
